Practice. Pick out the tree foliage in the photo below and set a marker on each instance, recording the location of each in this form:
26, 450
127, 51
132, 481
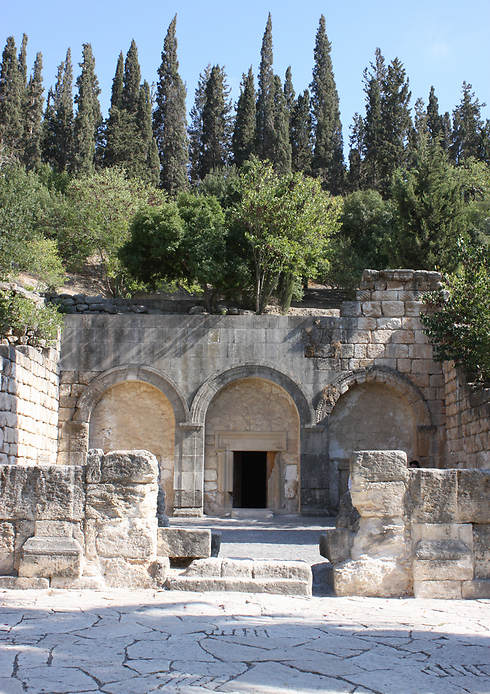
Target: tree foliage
458, 326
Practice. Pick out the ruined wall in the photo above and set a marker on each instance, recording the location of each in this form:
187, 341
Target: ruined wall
251, 406
467, 421
134, 415
28, 404
421, 532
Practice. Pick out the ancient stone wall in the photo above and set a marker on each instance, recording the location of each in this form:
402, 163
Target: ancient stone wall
29, 394
413, 531
467, 421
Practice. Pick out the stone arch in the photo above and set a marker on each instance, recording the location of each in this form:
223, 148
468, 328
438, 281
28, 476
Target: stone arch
375, 374
215, 383
96, 388
252, 447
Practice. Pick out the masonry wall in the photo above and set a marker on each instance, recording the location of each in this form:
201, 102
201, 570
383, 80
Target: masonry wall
468, 421
29, 394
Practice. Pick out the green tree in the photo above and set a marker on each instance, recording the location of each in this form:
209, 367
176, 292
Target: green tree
195, 127
92, 220
32, 111
300, 134
265, 98
328, 155
435, 122
286, 221
169, 118
58, 119
11, 94
357, 171
88, 119
243, 142
430, 213
458, 326
24, 202
468, 129
289, 93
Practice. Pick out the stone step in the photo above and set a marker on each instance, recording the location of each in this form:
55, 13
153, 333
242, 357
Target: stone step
258, 513
245, 575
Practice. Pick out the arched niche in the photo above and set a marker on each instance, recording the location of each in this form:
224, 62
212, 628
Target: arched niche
252, 431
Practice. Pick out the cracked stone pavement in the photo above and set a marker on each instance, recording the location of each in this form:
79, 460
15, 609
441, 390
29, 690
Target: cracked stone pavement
135, 642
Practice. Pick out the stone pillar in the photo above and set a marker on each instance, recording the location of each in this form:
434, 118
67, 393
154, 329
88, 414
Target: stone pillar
314, 470
189, 470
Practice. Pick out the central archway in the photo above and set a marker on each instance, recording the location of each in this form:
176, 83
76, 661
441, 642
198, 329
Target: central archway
252, 448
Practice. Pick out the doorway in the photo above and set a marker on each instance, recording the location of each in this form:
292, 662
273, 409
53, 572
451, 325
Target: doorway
249, 479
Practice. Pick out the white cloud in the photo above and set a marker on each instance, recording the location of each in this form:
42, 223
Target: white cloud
439, 50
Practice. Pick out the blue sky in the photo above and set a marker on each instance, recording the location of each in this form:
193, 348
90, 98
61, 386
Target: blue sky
440, 43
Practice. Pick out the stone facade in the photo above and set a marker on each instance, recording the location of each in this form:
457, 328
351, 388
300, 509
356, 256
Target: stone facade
29, 400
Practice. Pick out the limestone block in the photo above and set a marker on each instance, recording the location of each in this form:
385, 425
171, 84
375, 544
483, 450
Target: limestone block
481, 549
380, 466
184, 542
243, 585
381, 538
442, 560
378, 498
120, 500
82, 583
369, 577
473, 496
443, 531
295, 570
438, 590
47, 492
434, 496
210, 567
23, 583
477, 589
159, 570
45, 557
371, 309
120, 573
393, 308
236, 568
335, 545
53, 528
138, 467
129, 538
7, 548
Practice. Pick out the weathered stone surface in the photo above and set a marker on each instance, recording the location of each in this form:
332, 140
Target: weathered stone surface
129, 538
242, 585
53, 529
381, 538
120, 500
82, 583
438, 590
443, 531
380, 466
204, 567
45, 557
23, 583
119, 572
41, 492
377, 578
447, 560
297, 570
434, 496
378, 498
236, 568
473, 496
184, 542
335, 545
138, 467
478, 589
7, 548
481, 549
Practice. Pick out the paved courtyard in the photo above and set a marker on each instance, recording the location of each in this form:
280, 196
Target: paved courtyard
135, 642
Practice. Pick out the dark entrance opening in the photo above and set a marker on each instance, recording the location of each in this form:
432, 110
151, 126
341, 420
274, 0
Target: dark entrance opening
250, 479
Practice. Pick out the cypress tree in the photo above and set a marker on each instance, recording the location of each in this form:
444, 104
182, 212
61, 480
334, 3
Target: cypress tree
11, 93
373, 124
114, 136
243, 142
281, 146
58, 119
328, 155
435, 122
396, 121
169, 118
88, 119
147, 164
289, 93
32, 117
356, 172
265, 98
131, 81
300, 134
195, 127
468, 129
216, 124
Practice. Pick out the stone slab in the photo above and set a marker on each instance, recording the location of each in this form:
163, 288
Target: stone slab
434, 495
241, 585
378, 499
334, 544
473, 496
45, 557
481, 549
380, 466
137, 467
477, 589
184, 542
439, 590
23, 583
